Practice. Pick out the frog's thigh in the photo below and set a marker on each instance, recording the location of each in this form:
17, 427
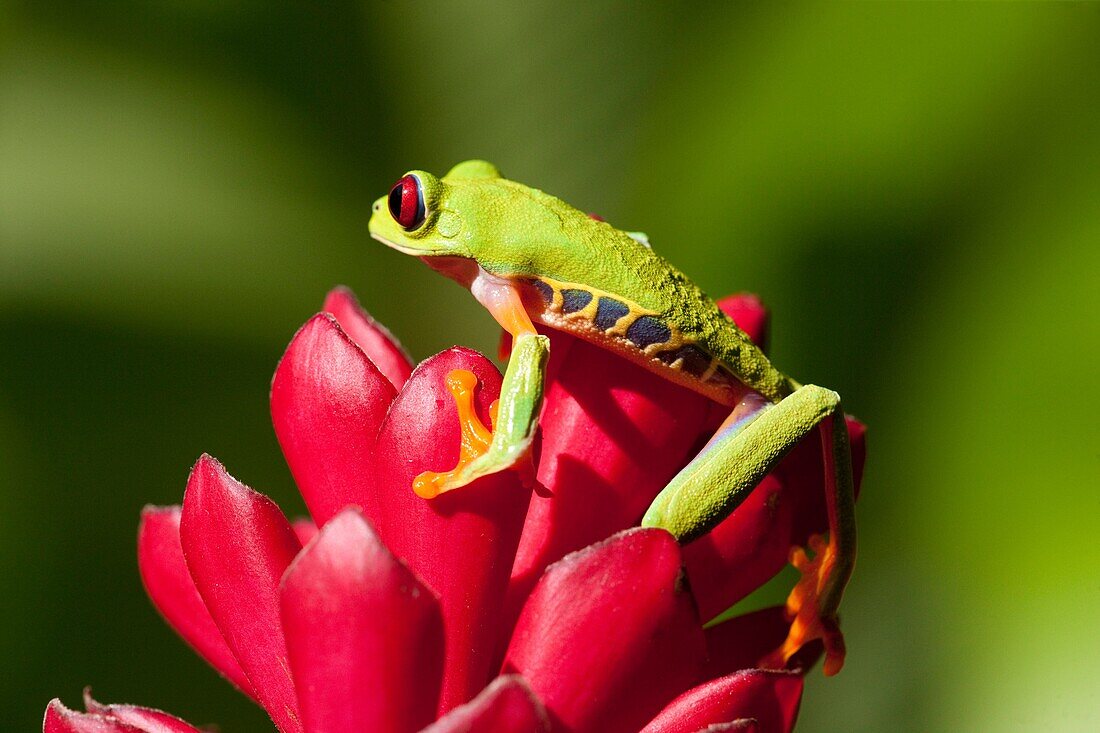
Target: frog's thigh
747, 446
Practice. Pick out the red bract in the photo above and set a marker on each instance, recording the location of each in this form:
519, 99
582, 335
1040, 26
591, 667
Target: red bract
481, 610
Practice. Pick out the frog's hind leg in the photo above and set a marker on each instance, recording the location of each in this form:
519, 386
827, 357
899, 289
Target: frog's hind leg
747, 446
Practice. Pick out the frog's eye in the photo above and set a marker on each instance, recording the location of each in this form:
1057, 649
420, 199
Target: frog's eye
407, 202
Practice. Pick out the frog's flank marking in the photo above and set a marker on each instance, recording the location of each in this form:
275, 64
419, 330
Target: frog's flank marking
573, 300
608, 313
647, 330
629, 329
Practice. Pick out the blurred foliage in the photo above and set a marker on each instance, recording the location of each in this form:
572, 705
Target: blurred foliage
914, 189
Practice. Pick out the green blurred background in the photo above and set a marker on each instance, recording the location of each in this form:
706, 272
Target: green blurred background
914, 190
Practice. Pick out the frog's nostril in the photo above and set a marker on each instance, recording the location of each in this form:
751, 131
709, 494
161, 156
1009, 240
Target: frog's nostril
377, 207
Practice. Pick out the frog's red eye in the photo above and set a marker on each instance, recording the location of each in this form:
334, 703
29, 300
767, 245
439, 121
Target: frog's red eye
407, 202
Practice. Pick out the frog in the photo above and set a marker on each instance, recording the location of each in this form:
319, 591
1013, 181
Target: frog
533, 260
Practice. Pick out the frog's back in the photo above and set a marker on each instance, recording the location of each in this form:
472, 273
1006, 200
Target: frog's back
615, 291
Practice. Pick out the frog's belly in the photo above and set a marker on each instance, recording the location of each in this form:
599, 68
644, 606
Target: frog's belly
634, 333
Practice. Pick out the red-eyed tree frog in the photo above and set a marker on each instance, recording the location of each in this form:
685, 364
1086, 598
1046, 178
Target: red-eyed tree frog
530, 258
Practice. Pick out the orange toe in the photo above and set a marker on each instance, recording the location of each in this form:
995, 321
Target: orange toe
808, 623
474, 441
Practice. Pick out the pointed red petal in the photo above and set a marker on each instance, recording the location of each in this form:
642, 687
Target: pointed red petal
304, 529
750, 315
170, 587
238, 545
610, 633
372, 337
613, 434
146, 719
327, 402
506, 706
753, 543
365, 637
462, 543
769, 697
59, 719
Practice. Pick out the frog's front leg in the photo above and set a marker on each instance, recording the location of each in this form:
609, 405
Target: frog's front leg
515, 417
747, 446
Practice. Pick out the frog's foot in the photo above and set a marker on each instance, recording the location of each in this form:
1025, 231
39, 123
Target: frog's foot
474, 442
479, 452
808, 607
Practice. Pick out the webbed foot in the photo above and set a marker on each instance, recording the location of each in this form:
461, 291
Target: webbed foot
808, 607
474, 442
481, 452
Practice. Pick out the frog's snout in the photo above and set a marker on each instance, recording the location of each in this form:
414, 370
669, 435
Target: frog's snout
378, 215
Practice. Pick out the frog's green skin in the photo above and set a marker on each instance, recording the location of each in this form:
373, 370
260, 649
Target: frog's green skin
564, 259
530, 257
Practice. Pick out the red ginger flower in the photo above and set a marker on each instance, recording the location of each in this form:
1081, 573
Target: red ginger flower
400, 611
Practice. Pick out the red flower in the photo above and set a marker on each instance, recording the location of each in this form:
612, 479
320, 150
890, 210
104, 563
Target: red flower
401, 611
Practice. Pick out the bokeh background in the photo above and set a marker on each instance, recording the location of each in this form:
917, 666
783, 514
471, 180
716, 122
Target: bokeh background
914, 190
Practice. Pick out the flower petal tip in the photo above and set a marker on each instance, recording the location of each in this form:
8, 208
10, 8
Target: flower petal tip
328, 400
237, 544
507, 705
60, 719
373, 338
356, 618
770, 697
611, 622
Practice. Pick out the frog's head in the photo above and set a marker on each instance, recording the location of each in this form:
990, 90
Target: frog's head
471, 213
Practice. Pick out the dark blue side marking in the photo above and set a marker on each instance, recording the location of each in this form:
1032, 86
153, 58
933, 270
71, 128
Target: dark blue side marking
608, 313
573, 300
648, 330
545, 290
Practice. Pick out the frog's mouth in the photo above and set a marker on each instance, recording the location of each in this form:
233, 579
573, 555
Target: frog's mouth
414, 247
401, 247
